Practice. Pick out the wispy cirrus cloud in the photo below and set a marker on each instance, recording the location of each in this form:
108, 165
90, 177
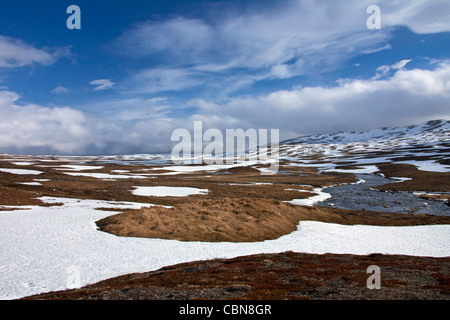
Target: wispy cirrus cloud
16, 53
292, 39
297, 38
384, 70
60, 90
420, 16
102, 84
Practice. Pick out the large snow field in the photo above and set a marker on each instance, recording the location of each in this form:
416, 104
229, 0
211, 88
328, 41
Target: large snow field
48, 248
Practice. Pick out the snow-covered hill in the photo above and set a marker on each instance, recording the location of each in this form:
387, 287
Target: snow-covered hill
436, 130
426, 145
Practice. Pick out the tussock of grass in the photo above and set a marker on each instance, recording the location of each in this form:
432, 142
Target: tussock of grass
242, 220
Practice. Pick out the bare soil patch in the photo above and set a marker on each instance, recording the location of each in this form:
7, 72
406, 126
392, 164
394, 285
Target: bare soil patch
17, 197
421, 180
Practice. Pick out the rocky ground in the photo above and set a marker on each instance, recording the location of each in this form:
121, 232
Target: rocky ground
281, 276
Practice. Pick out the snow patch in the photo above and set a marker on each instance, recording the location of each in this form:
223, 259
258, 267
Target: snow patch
364, 169
23, 163
78, 167
428, 166
168, 191
320, 196
104, 176
20, 171
40, 246
31, 183
401, 179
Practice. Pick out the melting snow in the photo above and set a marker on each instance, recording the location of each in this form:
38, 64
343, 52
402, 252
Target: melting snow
168, 191
42, 246
105, 176
31, 183
320, 196
23, 163
365, 169
21, 171
428, 166
79, 167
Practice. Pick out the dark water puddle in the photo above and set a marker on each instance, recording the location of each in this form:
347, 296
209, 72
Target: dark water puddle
361, 197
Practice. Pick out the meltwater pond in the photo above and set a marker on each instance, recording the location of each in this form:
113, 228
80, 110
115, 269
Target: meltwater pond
359, 196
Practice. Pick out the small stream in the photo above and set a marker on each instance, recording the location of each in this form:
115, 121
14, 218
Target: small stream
359, 196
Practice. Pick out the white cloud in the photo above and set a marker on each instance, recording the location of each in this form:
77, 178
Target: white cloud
295, 39
228, 53
60, 90
384, 70
102, 84
192, 36
132, 125
288, 39
281, 71
385, 47
401, 64
137, 125
144, 125
31, 126
421, 16
408, 96
16, 53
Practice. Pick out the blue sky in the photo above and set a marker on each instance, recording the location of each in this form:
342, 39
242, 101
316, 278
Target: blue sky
137, 70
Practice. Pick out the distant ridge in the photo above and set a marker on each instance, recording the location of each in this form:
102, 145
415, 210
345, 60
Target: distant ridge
434, 130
